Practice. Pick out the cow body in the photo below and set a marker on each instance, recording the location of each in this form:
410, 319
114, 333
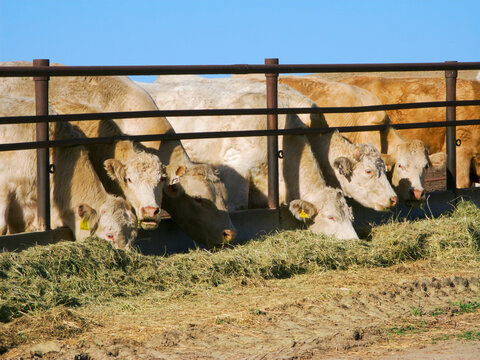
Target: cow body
411, 90
208, 221
78, 198
243, 161
406, 159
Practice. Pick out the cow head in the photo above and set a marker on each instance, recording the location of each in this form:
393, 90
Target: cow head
114, 221
362, 177
196, 199
406, 166
141, 178
331, 215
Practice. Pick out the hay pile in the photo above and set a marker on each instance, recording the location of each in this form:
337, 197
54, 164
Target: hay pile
75, 274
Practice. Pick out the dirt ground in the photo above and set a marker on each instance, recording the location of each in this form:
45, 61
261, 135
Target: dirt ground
410, 311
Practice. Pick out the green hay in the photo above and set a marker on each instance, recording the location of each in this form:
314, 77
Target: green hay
91, 271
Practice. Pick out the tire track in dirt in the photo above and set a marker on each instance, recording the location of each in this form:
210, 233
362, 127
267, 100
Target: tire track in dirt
378, 309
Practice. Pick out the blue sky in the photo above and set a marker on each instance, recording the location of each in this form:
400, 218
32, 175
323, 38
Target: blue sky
193, 32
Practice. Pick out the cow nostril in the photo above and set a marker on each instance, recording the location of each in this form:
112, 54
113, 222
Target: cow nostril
229, 235
393, 201
150, 211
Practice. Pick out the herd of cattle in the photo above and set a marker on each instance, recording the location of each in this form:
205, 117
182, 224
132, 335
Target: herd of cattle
113, 189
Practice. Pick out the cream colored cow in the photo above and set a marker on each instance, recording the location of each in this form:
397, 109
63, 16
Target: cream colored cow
242, 161
78, 198
367, 188
405, 160
195, 198
125, 168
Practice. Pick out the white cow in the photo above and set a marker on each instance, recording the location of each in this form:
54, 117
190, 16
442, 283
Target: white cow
242, 161
366, 181
406, 160
195, 197
78, 198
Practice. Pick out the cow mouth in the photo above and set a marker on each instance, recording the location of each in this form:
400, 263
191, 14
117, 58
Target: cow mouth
379, 207
413, 203
148, 224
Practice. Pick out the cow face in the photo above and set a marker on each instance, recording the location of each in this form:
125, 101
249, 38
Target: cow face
330, 216
406, 166
362, 177
114, 221
142, 180
196, 199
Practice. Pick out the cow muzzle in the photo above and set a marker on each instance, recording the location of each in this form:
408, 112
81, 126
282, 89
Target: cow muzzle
229, 235
149, 217
416, 194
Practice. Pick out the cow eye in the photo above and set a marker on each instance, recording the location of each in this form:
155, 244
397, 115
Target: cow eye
110, 237
368, 172
129, 180
400, 166
331, 218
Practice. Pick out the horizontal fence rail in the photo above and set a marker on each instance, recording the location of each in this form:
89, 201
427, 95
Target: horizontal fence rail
227, 134
16, 71
221, 112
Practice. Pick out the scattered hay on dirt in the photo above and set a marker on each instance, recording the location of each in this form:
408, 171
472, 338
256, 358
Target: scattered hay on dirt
75, 274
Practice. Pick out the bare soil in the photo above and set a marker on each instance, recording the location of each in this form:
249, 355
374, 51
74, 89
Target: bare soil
411, 311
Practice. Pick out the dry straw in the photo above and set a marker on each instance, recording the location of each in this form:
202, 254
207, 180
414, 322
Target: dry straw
91, 271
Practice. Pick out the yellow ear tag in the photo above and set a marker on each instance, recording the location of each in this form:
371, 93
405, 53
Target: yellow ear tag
83, 224
304, 215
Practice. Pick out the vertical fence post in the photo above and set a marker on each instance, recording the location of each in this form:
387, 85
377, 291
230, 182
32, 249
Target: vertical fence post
272, 144
43, 181
451, 137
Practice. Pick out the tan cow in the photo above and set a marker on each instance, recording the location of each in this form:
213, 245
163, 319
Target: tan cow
196, 196
242, 161
79, 200
410, 90
125, 168
405, 160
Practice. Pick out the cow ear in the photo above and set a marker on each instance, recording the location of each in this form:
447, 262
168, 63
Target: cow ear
389, 161
180, 171
89, 218
115, 170
302, 210
344, 166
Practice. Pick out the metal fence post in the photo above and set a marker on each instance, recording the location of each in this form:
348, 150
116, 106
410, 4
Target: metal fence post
272, 144
451, 137
43, 180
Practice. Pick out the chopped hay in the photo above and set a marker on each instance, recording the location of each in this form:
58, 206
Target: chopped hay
92, 271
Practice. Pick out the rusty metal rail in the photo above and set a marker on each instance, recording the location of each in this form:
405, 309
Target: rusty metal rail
220, 112
16, 71
41, 71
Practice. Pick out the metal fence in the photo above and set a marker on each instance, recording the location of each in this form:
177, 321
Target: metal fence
41, 71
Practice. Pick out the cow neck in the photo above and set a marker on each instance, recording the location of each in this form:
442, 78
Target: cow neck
301, 172
389, 139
